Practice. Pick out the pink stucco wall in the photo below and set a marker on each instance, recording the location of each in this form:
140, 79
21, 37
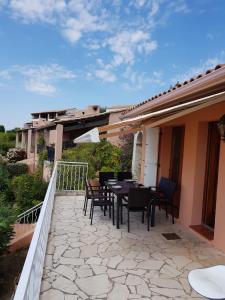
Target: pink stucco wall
193, 170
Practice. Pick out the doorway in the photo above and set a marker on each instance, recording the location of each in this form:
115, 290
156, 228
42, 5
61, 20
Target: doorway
176, 162
211, 176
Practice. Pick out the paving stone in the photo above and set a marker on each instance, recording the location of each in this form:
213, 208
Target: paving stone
169, 292
84, 271
167, 283
114, 273
65, 285
72, 253
94, 285
120, 279
66, 271
169, 271
101, 262
119, 292
88, 251
151, 264
99, 269
59, 251
52, 294
71, 261
94, 261
144, 290
134, 280
127, 264
114, 261
71, 297
45, 286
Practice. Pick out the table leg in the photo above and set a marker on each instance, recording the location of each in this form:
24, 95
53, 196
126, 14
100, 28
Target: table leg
153, 216
118, 204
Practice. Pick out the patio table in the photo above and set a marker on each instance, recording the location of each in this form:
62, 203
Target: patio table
120, 194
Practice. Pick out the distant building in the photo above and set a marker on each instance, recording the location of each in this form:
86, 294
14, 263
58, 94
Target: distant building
58, 128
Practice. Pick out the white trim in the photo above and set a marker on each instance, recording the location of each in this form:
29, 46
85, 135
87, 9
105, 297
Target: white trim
211, 100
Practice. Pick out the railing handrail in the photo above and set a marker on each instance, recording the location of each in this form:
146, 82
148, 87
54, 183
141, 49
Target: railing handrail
26, 272
29, 210
72, 162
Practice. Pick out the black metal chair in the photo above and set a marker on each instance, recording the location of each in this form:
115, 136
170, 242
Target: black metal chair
124, 175
162, 195
103, 199
138, 201
88, 194
104, 176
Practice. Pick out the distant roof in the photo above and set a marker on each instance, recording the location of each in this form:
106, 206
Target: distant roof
117, 108
50, 111
176, 87
71, 119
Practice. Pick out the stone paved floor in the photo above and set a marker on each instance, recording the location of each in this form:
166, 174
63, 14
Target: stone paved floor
101, 262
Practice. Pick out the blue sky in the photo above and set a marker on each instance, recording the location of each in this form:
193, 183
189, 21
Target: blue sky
72, 53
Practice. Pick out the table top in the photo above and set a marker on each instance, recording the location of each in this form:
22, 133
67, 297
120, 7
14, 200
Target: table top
125, 187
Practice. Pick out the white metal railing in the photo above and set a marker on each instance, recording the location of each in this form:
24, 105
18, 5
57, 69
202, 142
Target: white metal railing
30, 216
30, 280
66, 176
71, 176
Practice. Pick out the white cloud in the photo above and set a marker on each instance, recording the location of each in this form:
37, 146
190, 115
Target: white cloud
4, 74
179, 6
105, 75
140, 3
154, 8
39, 79
126, 44
202, 67
40, 88
37, 10
137, 80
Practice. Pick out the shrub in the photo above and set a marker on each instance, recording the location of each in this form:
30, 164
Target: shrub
127, 151
2, 128
3, 176
7, 141
29, 190
101, 156
7, 218
16, 169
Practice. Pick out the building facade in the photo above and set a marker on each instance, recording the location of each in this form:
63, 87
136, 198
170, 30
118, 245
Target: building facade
59, 128
180, 140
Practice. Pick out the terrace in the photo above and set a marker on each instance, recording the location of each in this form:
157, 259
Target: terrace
70, 259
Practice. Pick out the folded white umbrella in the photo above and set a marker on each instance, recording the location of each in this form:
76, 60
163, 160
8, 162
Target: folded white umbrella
92, 136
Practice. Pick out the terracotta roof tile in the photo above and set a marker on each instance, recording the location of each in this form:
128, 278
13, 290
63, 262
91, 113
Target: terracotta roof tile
176, 86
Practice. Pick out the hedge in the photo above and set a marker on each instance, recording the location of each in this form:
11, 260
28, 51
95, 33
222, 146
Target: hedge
17, 169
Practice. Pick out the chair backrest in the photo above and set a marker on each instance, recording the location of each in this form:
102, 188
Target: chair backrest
139, 197
124, 175
87, 188
167, 187
104, 176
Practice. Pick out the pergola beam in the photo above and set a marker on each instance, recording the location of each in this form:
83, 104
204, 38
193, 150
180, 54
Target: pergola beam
120, 133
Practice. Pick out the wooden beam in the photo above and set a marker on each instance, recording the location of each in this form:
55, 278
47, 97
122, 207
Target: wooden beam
120, 133
84, 125
118, 125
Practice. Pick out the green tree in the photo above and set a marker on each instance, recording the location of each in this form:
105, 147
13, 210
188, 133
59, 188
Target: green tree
7, 219
101, 156
2, 128
7, 141
127, 151
29, 190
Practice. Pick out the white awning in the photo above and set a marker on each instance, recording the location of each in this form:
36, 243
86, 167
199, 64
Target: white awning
92, 136
173, 111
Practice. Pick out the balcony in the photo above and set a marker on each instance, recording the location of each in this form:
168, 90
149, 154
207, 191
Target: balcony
70, 259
